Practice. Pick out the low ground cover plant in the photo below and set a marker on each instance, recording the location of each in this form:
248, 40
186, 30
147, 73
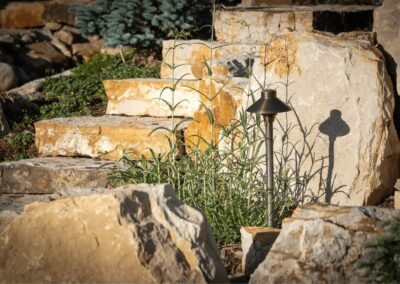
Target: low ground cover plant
78, 94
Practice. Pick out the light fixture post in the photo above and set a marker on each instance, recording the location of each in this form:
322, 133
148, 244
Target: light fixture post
268, 106
269, 162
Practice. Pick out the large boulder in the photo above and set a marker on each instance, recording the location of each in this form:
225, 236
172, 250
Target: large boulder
340, 138
132, 234
322, 244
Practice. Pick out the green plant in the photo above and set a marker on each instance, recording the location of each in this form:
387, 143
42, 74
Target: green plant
77, 94
143, 23
82, 92
382, 262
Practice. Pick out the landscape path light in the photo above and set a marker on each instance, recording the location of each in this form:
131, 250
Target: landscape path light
269, 106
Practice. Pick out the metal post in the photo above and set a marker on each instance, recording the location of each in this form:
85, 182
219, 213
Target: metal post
269, 145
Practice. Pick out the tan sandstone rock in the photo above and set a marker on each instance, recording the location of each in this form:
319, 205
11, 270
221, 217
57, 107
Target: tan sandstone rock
222, 100
106, 137
256, 243
152, 97
247, 25
48, 174
342, 132
133, 234
227, 60
322, 244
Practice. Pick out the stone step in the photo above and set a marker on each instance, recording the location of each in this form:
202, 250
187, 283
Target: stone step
260, 24
48, 174
146, 97
106, 137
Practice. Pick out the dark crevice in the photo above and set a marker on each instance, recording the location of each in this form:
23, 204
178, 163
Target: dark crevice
339, 22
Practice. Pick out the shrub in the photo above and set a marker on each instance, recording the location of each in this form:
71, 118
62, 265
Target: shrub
382, 263
143, 23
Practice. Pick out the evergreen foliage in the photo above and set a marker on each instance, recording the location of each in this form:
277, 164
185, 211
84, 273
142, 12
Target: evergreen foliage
143, 23
382, 264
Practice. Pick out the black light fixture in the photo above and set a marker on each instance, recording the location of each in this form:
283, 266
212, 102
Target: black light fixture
269, 106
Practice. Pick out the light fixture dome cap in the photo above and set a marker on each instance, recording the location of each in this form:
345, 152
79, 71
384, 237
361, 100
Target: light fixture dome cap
269, 104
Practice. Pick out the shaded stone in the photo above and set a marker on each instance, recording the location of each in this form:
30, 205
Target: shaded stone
4, 126
8, 78
48, 175
140, 233
256, 243
22, 15
86, 50
40, 56
65, 37
53, 26
105, 137
322, 244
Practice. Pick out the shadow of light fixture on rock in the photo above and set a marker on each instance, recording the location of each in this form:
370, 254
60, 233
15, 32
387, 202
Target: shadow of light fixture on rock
269, 106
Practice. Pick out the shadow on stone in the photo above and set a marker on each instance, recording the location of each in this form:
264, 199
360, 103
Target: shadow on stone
334, 126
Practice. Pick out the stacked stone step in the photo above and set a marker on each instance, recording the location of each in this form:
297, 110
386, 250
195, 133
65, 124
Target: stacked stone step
337, 79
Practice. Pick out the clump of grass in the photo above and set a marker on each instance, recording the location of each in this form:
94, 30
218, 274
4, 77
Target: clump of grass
226, 183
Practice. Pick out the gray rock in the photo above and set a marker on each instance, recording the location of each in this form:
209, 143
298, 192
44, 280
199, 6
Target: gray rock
49, 175
4, 126
8, 78
322, 244
53, 26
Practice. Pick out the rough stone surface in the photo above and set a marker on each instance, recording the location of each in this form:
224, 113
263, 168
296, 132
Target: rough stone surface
227, 60
353, 157
223, 100
138, 234
257, 26
8, 78
397, 199
386, 23
256, 243
22, 15
48, 175
106, 137
4, 126
43, 55
151, 97
322, 244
